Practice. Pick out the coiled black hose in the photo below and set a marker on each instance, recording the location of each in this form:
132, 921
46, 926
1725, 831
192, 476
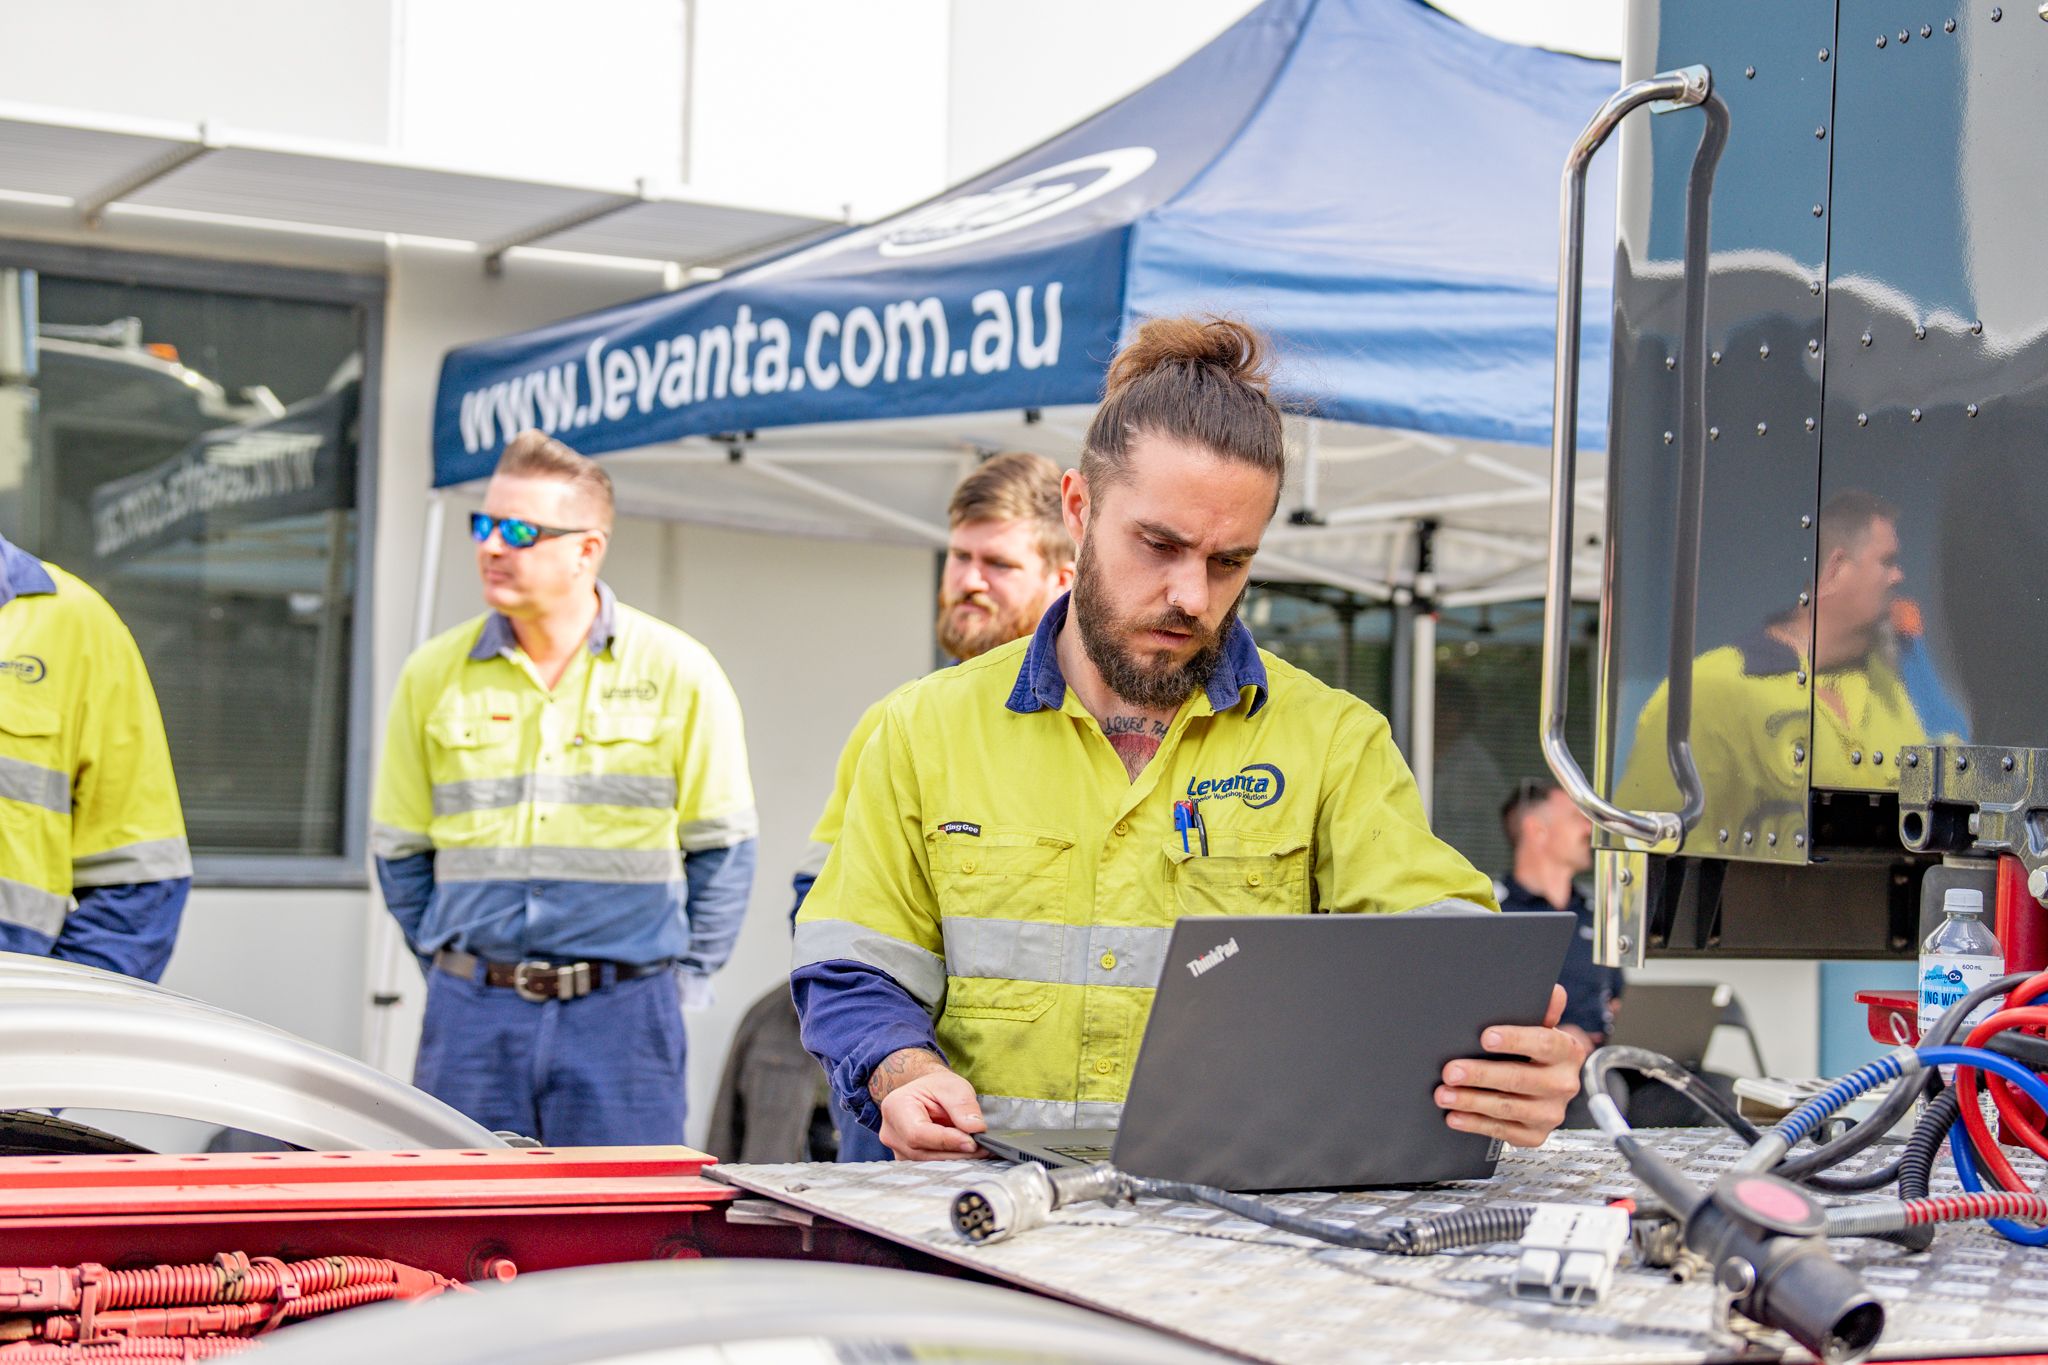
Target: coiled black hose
1917, 1164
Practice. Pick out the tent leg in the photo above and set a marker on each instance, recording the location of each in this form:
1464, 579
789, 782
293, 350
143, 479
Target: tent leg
1422, 708
392, 973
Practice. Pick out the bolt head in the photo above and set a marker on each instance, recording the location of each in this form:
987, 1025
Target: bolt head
1862, 419
1805, 598
1805, 522
1816, 210
1811, 424
1772, 838
1667, 438
1949, 26
1813, 286
1721, 835
1823, 54
1714, 357
1819, 133
1670, 362
1904, 36
1800, 678
1912, 760
1856, 756
1813, 347
1926, 32
2037, 883
1763, 428
1866, 338
1977, 328
1799, 840
2006, 762
1971, 409
1881, 40
1763, 352
1799, 753
1749, 73
1713, 433
1878, 758
1919, 332
1914, 414
1962, 763
1748, 837
1996, 14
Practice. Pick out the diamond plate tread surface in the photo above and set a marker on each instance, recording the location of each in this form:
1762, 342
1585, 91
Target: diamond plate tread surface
1266, 1295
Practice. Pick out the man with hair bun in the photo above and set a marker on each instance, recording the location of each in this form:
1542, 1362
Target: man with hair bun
981, 947
564, 826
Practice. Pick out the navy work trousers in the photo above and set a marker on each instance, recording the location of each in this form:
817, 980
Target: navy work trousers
603, 1070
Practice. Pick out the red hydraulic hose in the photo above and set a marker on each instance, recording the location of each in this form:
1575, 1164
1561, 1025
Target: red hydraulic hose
144, 1348
1994, 1160
1957, 1208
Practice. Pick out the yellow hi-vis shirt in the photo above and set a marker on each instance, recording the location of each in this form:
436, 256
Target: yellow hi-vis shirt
87, 798
999, 867
825, 833
558, 820
1750, 712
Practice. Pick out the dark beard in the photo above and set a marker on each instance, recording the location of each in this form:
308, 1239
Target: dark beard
998, 628
1147, 685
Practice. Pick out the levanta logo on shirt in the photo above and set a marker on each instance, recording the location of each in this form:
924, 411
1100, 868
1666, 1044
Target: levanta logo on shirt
1258, 785
24, 668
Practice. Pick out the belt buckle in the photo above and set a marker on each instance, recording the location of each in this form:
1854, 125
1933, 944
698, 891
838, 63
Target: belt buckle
521, 988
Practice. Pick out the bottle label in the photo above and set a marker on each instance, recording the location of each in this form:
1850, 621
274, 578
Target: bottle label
1944, 980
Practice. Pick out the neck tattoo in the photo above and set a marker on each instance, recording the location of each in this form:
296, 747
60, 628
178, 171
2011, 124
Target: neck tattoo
1135, 739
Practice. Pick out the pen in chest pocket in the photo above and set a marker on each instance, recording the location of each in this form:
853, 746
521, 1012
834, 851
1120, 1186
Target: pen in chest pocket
1187, 819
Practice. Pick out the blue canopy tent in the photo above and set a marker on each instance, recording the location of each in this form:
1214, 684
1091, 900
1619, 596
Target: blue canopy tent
1367, 180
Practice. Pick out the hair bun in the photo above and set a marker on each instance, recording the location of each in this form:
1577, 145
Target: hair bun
1217, 343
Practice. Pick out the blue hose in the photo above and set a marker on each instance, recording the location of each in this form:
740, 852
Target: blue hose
1795, 1126
1959, 1137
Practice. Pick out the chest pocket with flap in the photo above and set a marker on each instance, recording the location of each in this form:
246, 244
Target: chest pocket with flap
1246, 880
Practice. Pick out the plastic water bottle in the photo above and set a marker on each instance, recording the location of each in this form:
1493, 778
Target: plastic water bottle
1958, 957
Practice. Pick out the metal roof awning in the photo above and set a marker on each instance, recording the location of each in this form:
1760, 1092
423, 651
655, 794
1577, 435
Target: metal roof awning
95, 164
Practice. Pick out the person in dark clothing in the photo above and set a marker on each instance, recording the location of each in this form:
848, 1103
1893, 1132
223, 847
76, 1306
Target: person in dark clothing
1552, 843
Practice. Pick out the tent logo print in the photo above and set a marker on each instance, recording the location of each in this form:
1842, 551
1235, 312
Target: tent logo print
969, 218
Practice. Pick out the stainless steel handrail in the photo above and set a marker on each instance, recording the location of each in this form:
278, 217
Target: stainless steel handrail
1673, 90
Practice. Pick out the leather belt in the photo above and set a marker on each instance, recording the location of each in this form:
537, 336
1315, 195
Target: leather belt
540, 981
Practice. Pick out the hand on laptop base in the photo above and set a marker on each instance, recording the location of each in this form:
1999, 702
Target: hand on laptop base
929, 1111
1521, 1101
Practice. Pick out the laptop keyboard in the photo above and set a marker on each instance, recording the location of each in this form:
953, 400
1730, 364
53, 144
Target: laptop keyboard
1085, 1155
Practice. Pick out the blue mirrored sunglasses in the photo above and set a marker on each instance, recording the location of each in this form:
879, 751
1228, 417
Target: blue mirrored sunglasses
518, 534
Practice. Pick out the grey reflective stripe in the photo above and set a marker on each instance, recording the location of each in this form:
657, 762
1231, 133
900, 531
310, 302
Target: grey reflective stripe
583, 789
32, 907
543, 862
1065, 954
1007, 1112
154, 860
921, 973
722, 831
389, 841
35, 785
1449, 907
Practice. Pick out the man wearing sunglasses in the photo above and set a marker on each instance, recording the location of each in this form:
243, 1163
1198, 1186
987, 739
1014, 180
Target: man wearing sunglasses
564, 826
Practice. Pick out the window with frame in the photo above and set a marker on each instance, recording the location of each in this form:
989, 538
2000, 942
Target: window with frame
195, 453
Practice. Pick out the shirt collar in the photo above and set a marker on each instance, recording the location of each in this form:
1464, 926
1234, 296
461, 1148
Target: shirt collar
1042, 687
1576, 904
497, 638
22, 574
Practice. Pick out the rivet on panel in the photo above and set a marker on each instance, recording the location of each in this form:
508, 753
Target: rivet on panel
1749, 73
1805, 522
1816, 210
1805, 598
1763, 352
1996, 14
1915, 414
1800, 678
1820, 132
1823, 54
1971, 409
1949, 26
2006, 762
1721, 835
1919, 332
1799, 753
1813, 346
1926, 32
1713, 433
1977, 328
1763, 429
1866, 338
1912, 760
1748, 837
1881, 40
1855, 756
1799, 839
1667, 438
1962, 763
1862, 419
1715, 357
1904, 36
1772, 838
1670, 362
1813, 286
1811, 424
1878, 758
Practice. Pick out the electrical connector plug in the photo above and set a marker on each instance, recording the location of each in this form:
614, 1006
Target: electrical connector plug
1020, 1198
1569, 1252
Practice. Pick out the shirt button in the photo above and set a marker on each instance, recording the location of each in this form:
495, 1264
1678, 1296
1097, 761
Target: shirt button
1251, 879
1104, 1067
1122, 828
967, 867
1108, 961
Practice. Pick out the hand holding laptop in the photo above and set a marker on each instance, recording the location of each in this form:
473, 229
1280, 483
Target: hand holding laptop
1519, 1102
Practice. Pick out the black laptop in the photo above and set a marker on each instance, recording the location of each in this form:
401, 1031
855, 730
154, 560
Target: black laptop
1299, 1052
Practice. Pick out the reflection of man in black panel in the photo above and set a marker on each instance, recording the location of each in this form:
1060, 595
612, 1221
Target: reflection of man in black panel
1751, 701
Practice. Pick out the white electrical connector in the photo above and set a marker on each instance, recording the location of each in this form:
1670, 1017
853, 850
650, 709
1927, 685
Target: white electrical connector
1569, 1252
